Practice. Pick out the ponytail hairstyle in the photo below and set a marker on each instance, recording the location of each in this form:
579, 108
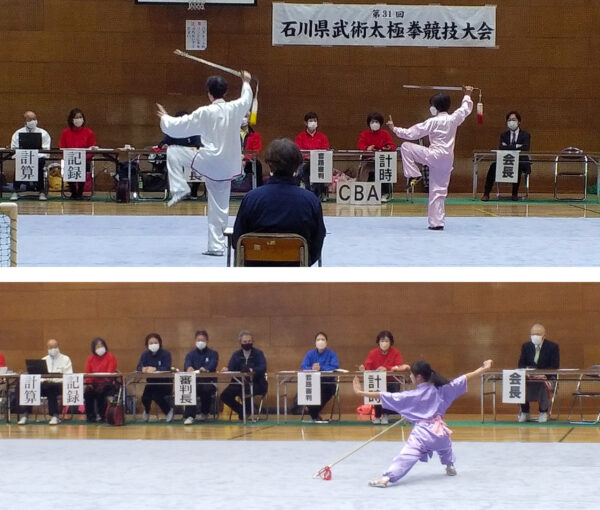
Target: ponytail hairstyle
424, 369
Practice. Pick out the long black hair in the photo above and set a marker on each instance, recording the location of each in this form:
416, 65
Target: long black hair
424, 369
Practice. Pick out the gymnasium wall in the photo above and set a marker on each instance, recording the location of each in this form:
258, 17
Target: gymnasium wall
455, 326
113, 59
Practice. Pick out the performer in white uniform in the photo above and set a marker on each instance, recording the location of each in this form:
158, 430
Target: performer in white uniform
439, 156
218, 160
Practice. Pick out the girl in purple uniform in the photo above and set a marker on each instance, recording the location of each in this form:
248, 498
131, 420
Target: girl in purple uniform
424, 406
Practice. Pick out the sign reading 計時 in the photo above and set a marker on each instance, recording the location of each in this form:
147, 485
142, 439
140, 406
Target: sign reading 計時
513, 386
507, 166
309, 388
374, 380
386, 167
384, 25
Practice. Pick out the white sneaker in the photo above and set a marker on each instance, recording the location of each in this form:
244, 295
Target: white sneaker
376, 421
145, 416
169, 417
23, 420
543, 418
42, 197
384, 419
54, 421
14, 196
188, 421
523, 417
202, 417
382, 482
177, 197
450, 470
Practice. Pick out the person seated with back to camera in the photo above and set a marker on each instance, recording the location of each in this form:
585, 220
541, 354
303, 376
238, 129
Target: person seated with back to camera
31, 126
280, 206
309, 140
515, 139
190, 141
371, 140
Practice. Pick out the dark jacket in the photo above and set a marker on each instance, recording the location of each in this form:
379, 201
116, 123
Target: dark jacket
281, 206
256, 361
161, 360
549, 356
206, 358
524, 143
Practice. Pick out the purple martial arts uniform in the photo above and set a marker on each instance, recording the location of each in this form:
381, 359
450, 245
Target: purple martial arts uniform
439, 156
425, 407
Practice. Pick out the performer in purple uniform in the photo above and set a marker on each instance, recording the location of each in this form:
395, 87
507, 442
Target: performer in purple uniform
425, 407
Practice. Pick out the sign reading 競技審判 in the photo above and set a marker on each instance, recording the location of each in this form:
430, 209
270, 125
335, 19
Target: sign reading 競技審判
384, 25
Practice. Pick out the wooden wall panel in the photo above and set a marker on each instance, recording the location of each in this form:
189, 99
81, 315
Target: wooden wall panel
114, 60
453, 325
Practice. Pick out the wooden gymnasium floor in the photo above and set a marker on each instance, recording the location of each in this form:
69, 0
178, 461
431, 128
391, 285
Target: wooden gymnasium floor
539, 205
464, 427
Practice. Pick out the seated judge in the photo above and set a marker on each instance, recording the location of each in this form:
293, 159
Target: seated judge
542, 354
515, 139
280, 206
31, 126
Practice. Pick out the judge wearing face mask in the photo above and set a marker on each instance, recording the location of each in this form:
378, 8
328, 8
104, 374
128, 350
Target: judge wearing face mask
542, 354
57, 363
31, 126
201, 359
309, 140
156, 359
98, 389
321, 359
252, 361
515, 139
374, 139
78, 136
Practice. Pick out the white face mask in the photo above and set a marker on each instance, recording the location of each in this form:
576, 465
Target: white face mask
321, 344
375, 126
244, 121
433, 110
101, 351
153, 347
311, 125
512, 125
201, 345
78, 122
31, 124
53, 352
536, 339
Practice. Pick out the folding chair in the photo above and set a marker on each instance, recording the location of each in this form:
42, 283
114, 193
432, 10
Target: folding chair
571, 163
336, 407
588, 387
267, 249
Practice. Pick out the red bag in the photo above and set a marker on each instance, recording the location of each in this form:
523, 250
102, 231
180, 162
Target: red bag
366, 409
115, 414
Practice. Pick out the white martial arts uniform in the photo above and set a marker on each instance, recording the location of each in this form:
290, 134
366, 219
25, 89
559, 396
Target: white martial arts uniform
439, 156
219, 160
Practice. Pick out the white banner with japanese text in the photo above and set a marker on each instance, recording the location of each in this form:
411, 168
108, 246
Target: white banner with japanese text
513, 386
384, 25
507, 166
374, 380
309, 388
26, 165
321, 166
73, 390
185, 388
30, 389
74, 165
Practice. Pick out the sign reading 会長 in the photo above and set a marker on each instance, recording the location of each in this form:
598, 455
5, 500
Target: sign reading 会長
384, 25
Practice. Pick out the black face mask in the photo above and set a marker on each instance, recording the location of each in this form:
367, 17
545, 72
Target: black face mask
246, 347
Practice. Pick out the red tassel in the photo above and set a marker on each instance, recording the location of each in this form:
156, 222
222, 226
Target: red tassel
479, 113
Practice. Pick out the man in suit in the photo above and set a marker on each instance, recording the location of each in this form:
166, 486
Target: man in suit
541, 354
515, 139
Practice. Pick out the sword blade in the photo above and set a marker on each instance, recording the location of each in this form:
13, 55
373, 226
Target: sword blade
431, 87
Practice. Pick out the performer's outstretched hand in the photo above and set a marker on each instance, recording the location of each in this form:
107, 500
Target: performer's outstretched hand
468, 90
246, 76
160, 110
390, 123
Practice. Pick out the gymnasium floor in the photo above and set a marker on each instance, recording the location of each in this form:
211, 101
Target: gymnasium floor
500, 466
540, 232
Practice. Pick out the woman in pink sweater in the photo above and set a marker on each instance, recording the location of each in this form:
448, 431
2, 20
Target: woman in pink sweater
77, 136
